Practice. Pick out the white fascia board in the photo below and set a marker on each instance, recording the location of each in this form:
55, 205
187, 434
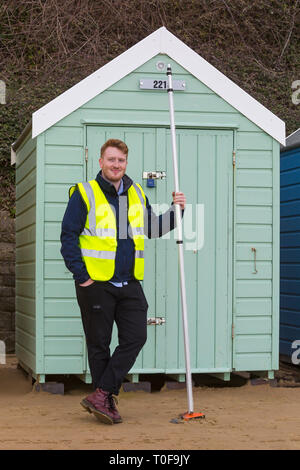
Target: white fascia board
224, 87
96, 83
13, 156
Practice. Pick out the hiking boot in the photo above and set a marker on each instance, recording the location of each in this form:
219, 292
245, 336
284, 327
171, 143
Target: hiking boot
116, 415
99, 403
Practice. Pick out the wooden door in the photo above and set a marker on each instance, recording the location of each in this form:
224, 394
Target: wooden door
205, 173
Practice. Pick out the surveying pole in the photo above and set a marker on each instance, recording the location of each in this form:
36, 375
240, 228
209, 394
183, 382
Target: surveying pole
190, 414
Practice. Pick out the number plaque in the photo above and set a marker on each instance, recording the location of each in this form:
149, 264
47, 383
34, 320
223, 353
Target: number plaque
157, 84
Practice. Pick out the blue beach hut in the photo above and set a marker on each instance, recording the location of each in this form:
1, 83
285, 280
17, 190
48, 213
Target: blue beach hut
290, 247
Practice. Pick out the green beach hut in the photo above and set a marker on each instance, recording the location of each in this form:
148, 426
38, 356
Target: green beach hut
228, 155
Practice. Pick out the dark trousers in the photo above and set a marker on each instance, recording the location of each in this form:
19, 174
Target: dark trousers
101, 304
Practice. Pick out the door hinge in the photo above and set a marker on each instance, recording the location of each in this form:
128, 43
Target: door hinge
233, 158
86, 154
232, 331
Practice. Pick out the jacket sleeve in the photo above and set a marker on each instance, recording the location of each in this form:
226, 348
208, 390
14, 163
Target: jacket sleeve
156, 226
72, 226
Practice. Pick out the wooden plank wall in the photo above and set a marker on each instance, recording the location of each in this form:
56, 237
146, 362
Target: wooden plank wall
256, 302
289, 253
63, 333
25, 252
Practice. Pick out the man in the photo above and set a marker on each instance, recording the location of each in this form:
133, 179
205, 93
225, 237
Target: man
103, 246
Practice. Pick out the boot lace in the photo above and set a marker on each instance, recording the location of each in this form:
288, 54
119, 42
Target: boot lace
109, 399
112, 400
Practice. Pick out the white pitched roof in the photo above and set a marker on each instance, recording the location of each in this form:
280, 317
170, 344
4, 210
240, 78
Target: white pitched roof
159, 42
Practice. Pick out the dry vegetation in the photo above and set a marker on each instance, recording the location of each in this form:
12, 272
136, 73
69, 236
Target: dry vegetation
46, 46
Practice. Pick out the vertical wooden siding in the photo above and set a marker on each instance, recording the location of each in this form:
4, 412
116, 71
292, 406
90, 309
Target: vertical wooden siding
25, 252
124, 103
147, 151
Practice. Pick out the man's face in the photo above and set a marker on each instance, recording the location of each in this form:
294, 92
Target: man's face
113, 164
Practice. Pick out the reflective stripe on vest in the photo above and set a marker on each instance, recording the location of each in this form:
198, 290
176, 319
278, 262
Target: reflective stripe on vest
137, 204
98, 240
98, 254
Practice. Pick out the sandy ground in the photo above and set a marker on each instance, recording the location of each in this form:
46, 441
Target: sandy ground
243, 416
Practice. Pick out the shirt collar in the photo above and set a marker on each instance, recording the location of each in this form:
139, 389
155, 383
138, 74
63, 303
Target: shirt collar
120, 190
125, 184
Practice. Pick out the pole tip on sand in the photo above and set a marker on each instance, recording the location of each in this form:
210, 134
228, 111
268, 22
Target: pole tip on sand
189, 416
185, 417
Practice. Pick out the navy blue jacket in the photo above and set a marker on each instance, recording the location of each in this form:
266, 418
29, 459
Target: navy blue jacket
74, 221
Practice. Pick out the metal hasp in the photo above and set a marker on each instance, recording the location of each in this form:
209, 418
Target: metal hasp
180, 250
151, 176
154, 175
156, 321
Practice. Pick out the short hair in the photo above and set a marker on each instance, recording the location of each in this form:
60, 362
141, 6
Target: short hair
119, 144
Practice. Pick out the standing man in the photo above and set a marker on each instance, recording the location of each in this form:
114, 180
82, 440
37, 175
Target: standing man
103, 246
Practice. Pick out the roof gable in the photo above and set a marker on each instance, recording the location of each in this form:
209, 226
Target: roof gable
159, 42
293, 140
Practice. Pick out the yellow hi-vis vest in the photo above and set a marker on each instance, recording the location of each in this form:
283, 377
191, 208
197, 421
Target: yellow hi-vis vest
98, 240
